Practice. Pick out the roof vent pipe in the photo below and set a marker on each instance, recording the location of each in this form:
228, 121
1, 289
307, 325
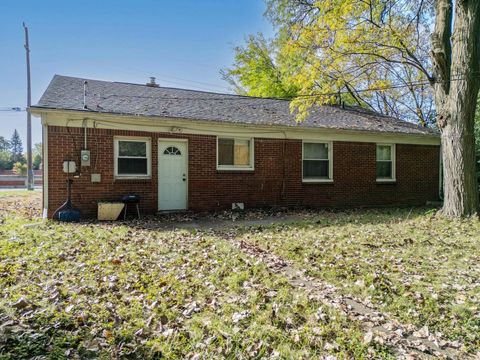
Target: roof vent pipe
85, 83
152, 82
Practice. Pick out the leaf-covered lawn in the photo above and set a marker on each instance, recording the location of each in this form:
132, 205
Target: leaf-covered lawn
114, 291
415, 265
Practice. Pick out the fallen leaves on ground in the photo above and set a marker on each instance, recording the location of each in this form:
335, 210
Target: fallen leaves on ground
116, 291
415, 265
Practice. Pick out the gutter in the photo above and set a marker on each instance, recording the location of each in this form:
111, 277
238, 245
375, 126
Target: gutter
38, 111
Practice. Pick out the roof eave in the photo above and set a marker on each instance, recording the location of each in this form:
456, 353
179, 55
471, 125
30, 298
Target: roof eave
39, 110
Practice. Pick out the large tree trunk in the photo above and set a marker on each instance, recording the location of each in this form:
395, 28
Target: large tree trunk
457, 68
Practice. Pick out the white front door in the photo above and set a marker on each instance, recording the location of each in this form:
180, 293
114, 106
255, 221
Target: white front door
172, 174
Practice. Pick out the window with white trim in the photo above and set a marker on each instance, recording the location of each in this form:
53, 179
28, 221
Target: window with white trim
132, 157
317, 161
234, 153
385, 162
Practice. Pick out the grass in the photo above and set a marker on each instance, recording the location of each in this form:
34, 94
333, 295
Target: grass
17, 193
114, 291
415, 265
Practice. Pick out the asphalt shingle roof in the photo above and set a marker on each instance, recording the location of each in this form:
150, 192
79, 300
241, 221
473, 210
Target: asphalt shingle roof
66, 93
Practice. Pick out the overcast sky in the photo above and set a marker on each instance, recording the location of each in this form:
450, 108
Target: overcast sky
182, 43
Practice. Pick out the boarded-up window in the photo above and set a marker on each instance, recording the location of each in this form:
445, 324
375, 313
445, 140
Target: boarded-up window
242, 153
234, 153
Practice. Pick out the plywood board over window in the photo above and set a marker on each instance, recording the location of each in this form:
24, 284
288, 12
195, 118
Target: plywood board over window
234, 154
242, 153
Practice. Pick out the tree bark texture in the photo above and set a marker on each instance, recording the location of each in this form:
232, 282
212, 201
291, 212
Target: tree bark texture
456, 58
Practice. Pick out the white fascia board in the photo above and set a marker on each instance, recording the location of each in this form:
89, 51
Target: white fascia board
214, 128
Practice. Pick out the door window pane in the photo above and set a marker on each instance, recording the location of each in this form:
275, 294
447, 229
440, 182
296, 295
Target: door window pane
172, 150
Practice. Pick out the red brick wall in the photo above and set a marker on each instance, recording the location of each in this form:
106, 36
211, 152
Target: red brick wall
353, 171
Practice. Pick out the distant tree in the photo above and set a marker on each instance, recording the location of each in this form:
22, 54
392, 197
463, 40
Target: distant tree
5, 160
20, 169
37, 161
37, 149
37, 155
4, 144
16, 148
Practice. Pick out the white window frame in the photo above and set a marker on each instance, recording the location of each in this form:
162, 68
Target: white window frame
393, 152
251, 167
330, 161
146, 140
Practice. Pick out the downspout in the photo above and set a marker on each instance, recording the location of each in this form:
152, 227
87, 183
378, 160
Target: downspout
282, 195
45, 168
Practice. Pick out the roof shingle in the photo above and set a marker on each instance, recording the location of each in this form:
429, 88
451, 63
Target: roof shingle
66, 93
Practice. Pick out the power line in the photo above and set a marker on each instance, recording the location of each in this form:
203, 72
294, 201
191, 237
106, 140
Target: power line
166, 77
230, 97
11, 108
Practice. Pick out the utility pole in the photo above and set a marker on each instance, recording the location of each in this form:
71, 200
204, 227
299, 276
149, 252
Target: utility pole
30, 183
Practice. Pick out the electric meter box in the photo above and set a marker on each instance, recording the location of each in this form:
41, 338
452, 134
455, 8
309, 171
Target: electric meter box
85, 156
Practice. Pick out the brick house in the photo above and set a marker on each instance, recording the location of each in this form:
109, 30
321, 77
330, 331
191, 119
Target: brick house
183, 149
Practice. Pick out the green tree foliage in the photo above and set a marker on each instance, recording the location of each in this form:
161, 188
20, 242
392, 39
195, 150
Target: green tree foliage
37, 161
37, 149
20, 169
37, 156
5, 160
262, 70
397, 57
4, 144
341, 48
16, 148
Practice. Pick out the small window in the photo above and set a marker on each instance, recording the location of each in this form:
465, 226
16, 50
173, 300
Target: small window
385, 162
317, 162
132, 157
172, 150
233, 154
